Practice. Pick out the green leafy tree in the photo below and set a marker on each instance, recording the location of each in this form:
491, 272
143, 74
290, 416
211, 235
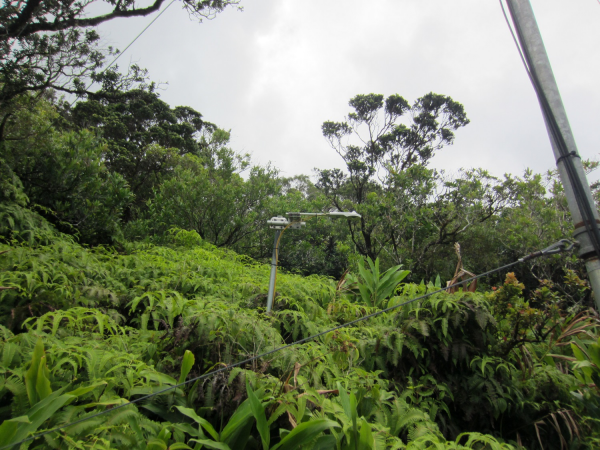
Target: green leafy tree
534, 216
409, 212
453, 208
211, 197
145, 137
64, 177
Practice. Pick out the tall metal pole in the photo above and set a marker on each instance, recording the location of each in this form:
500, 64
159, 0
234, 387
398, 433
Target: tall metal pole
273, 273
532, 43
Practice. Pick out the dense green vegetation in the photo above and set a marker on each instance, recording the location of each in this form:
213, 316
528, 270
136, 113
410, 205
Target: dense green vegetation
134, 257
88, 329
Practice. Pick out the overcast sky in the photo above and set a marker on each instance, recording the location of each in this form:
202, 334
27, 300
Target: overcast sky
274, 72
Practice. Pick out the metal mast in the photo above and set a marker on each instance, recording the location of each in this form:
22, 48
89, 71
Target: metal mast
577, 190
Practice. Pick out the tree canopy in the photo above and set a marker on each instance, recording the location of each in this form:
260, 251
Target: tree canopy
381, 154
144, 136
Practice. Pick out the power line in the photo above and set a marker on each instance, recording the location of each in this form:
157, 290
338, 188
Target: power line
558, 247
515, 40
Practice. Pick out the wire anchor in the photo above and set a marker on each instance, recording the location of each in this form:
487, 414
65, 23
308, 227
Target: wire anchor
564, 245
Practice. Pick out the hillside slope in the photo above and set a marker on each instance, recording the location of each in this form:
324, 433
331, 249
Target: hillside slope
85, 331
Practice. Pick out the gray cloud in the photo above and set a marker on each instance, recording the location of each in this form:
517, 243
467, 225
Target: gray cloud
275, 72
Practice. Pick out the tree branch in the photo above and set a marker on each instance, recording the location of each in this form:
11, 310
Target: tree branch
18, 28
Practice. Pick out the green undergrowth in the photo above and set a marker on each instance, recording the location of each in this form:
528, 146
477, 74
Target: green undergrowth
85, 330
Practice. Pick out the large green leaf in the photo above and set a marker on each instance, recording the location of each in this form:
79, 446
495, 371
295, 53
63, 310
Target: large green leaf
37, 415
374, 266
43, 410
31, 376
365, 275
305, 433
594, 351
582, 358
179, 446
203, 422
9, 428
388, 282
189, 429
345, 400
578, 353
186, 365
258, 411
325, 442
212, 444
85, 389
156, 444
388, 277
237, 431
365, 439
349, 403
42, 383
366, 294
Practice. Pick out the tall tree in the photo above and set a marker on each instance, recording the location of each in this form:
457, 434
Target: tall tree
376, 145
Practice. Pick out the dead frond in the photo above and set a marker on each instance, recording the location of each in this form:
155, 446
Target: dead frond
461, 274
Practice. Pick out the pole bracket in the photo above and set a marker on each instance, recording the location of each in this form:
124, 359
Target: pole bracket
573, 154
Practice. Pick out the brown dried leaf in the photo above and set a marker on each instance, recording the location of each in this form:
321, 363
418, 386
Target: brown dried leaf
322, 392
292, 420
537, 431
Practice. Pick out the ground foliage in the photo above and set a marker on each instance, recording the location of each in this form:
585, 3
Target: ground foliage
84, 330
